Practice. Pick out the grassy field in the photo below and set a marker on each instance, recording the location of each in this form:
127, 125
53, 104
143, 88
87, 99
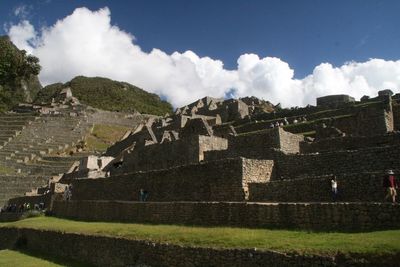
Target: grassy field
379, 242
29, 259
104, 135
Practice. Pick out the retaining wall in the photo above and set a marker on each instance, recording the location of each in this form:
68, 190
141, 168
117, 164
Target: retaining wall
366, 187
258, 145
170, 154
350, 143
308, 216
222, 180
113, 251
362, 160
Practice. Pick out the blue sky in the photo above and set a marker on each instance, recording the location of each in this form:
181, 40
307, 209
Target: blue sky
302, 34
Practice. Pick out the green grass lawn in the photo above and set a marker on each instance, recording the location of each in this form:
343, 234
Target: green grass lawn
379, 242
27, 259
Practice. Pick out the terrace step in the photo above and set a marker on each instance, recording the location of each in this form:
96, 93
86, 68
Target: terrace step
8, 132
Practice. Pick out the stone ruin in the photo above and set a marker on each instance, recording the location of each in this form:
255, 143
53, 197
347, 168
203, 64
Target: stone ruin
244, 163
40, 142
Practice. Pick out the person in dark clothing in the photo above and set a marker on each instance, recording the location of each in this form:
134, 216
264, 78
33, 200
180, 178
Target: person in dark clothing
143, 194
390, 185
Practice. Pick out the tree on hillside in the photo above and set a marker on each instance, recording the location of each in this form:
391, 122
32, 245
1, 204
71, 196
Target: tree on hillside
16, 68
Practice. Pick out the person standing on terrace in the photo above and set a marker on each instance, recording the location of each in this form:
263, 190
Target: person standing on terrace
390, 185
334, 186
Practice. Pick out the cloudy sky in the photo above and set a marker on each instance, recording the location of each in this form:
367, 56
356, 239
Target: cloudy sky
287, 52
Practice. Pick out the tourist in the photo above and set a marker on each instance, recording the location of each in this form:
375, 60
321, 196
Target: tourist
285, 121
70, 188
390, 185
334, 188
65, 195
68, 193
141, 195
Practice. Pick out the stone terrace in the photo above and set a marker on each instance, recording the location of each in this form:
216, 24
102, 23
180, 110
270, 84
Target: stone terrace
47, 134
12, 124
17, 184
27, 154
195, 159
231, 169
205, 164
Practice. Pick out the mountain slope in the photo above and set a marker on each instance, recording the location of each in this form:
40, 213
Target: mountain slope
110, 95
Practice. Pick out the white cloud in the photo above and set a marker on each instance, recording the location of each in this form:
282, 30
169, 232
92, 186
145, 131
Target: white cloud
23, 35
85, 43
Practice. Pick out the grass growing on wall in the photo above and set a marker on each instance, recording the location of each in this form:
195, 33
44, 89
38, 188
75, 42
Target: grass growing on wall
6, 170
102, 136
226, 237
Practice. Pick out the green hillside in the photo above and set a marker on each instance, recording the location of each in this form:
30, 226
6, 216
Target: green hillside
110, 95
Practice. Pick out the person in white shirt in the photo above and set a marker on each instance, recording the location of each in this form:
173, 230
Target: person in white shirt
334, 186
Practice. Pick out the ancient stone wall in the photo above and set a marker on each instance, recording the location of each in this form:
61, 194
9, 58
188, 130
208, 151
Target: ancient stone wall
265, 139
363, 160
32, 200
288, 142
258, 145
169, 154
350, 143
210, 143
257, 171
16, 185
223, 180
114, 251
357, 187
252, 126
371, 120
334, 101
97, 116
310, 216
10, 216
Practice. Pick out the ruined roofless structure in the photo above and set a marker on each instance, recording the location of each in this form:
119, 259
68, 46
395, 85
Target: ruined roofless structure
242, 163
228, 151
36, 142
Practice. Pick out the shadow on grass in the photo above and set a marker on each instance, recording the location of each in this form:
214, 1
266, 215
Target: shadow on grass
54, 259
